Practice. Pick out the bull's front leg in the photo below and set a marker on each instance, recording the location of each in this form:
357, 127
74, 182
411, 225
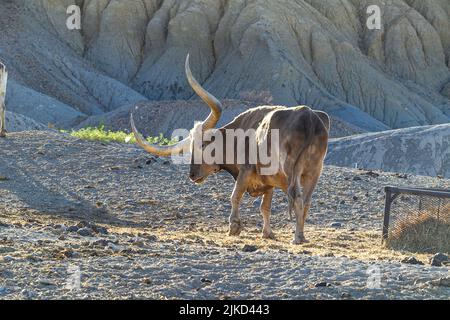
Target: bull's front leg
266, 208
235, 219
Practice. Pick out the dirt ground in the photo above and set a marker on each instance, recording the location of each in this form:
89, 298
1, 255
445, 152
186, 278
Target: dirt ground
93, 220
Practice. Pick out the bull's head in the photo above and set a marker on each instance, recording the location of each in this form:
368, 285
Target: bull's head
198, 171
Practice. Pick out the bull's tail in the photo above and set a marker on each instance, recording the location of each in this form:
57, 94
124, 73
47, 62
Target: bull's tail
292, 189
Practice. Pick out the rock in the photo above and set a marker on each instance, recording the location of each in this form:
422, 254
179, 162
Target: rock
113, 247
3, 291
28, 294
7, 249
99, 243
46, 282
346, 295
257, 203
72, 229
395, 150
249, 248
328, 60
441, 282
328, 255
85, 232
322, 284
99, 229
412, 260
357, 178
8, 258
335, 225
137, 241
355, 198
438, 259
205, 280
147, 281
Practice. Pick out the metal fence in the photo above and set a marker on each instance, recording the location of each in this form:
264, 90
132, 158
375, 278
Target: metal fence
413, 207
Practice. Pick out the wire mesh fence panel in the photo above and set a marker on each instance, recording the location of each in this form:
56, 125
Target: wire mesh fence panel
417, 220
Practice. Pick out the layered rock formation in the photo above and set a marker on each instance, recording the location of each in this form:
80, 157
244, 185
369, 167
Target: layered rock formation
313, 52
416, 150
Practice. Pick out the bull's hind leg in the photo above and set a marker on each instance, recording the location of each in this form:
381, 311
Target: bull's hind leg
308, 182
266, 207
296, 204
235, 219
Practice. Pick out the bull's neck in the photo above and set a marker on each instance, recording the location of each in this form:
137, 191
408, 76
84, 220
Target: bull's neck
230, 168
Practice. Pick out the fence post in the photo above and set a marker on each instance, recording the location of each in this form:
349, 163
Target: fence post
3, 80
387, 211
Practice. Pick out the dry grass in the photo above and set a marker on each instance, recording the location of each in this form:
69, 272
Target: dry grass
424, 233
361, 245
353, 244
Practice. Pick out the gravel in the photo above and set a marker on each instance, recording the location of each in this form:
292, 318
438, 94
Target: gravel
166, 244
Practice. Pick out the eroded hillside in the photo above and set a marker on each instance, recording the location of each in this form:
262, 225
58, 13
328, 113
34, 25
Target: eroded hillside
311, 52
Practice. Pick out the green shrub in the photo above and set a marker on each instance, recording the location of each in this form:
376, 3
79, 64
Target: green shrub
101, 134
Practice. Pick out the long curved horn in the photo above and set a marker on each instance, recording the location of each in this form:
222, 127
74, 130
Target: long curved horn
209, 99
163, 151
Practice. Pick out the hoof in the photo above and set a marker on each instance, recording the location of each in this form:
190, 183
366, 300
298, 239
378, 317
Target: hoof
299, 240
3, 134
235, 229
268, 235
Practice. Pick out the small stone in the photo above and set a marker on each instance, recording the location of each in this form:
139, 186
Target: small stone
99, 243
345, 295
147, 281
83, 224
72, 229
28, 294
46, 282
85, 232
335, 225
412, 260
438, 259
113, 247
99, 229
62, 237
355, 198
322, 284
8, 259
137, 241
3, 291
6, 249
357, 178
204, 280
442, 282
257, 203
249, 248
